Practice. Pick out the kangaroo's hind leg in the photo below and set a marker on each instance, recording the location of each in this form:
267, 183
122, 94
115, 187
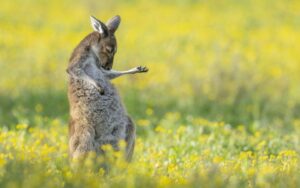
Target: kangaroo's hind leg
130, 139
81, 141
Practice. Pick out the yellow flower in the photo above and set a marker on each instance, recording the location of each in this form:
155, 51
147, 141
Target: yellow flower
160, 129
143, 122
164, 181
149, 111
218, 159
21, 126
2, 160
251, 172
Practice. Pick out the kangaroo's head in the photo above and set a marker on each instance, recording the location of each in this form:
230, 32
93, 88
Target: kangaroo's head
105, 46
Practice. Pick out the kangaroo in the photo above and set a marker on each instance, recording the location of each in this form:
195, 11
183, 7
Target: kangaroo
97, 116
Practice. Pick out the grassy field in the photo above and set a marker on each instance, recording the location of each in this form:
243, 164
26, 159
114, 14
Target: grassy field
220, 106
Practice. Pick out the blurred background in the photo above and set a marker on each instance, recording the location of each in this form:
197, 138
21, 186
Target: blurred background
223, 60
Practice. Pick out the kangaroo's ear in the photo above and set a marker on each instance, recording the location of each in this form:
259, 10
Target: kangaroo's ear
113, 23
99, 26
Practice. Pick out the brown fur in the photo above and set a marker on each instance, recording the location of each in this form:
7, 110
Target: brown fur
97, 114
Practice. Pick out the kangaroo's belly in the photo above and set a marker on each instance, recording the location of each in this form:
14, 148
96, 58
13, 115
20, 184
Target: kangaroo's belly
103, 112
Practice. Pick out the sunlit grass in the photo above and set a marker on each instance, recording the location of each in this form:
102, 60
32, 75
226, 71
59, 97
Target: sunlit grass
218, 58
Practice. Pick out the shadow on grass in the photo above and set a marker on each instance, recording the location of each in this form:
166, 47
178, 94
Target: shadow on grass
29, 107
25, 107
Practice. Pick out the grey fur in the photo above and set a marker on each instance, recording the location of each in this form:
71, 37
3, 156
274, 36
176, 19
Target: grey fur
113, 23
97, 115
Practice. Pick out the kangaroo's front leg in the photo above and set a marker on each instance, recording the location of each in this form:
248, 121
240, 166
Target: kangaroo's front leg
111, 74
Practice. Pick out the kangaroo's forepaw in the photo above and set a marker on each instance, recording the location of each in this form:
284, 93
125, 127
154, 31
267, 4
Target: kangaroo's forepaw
142, 69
